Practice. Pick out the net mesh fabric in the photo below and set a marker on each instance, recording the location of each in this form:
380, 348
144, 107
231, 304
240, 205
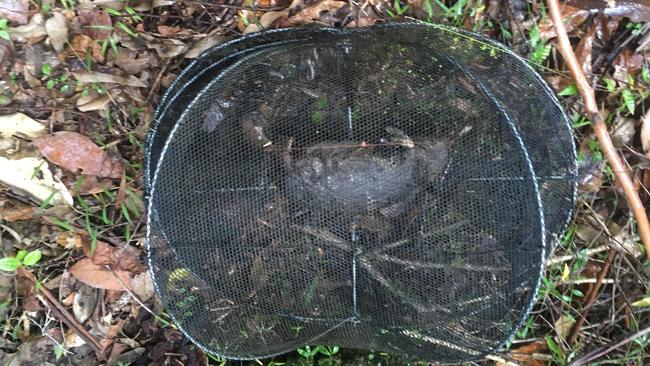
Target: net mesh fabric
395, 188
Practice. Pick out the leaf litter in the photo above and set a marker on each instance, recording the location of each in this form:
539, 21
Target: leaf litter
78, 87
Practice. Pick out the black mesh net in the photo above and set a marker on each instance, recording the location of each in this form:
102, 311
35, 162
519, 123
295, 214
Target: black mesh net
395, 188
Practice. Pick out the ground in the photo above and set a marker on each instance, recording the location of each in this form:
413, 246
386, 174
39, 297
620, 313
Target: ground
80, 81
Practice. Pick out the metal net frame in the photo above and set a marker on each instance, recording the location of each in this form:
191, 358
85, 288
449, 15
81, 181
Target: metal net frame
393, 188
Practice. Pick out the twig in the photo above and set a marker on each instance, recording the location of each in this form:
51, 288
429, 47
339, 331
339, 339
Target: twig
63, 315
592, 296
566, 258
600, 129
603, 351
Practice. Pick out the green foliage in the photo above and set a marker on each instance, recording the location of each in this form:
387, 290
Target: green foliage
569, 91
539, 49
10, 264
4, 29
556, 349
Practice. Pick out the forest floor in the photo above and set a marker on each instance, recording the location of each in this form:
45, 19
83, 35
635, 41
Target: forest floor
80, 81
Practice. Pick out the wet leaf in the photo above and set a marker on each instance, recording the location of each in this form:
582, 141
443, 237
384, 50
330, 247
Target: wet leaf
637, 10
98, 276
33, 176
57, 30
76, 152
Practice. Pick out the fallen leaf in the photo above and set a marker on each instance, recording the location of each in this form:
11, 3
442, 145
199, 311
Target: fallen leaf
167, 31
571, 15
524, 354
98, 77
19, 124
69, 240
32, 31
14, 10
126, 258
203, 44
636, 10
33, 176
97, 24
97, 103
99, 277
16, 211
317, 11
81, 45
85, 300
73, 340
584, 49
57, 30
76, 152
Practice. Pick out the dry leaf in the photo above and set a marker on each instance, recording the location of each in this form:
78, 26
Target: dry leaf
126, 258
563, 326
98, 276
585, 47
315, 12
69, 240
32, 31
167, 31
57, 30
14, 10
76, 152
98, 77
19, 124
33, 176
16, 211
97, 103
524, 355
97, 24
202, 45
82, 44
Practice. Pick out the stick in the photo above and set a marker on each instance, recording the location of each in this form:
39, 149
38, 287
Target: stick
603, 351
64, 316
589, 99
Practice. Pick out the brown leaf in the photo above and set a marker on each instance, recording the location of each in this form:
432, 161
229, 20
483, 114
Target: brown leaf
143, 286
636, 10
572, 16
584, 49
98, 276
97, 24
84, 303
524, 354
73, 151
645, 133
14, 10
167, 31
315, 12
13, 211
82, 45
126, 258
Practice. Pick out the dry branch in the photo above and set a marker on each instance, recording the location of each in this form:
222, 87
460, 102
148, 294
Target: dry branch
598, 124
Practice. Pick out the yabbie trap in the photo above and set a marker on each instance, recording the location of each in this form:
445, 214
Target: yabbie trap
394, 188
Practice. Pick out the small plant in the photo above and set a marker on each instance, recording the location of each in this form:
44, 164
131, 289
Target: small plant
62, 81
398, 9
10, 264
539, 50
4, 29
